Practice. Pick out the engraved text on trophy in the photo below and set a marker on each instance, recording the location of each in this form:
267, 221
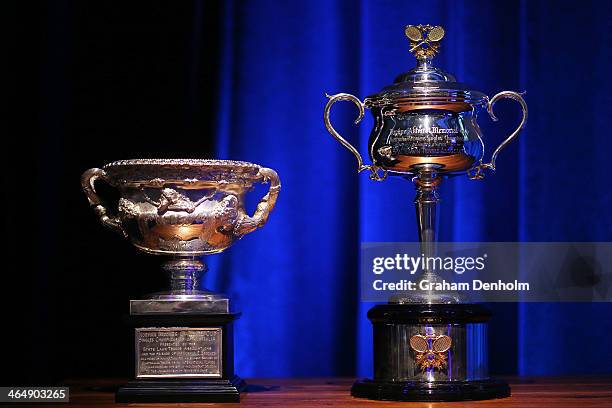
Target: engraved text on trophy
178, 352
432, 134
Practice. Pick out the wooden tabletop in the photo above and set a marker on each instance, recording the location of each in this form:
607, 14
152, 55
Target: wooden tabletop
540, 392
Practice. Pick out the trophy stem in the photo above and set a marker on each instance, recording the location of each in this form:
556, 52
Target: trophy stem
185, 295
185, 273
426, 202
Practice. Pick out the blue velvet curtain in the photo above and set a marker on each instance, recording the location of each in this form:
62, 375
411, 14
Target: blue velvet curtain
295, 280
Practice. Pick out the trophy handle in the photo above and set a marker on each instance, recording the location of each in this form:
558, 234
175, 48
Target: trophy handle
248, 223
87, 183
477, 173
374, 170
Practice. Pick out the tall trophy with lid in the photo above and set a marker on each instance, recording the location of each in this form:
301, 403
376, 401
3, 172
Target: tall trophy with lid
182, 210
428, 345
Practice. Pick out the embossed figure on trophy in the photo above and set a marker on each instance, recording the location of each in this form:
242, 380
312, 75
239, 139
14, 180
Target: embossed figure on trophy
174, 221
218, 216
248, 223
172, 200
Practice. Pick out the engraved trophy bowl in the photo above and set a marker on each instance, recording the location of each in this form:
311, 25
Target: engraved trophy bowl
182, 208
425, 119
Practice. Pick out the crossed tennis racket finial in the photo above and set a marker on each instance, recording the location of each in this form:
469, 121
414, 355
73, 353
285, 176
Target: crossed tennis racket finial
424, 40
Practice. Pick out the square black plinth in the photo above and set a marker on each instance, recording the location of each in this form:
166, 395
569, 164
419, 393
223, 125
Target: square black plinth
166, 368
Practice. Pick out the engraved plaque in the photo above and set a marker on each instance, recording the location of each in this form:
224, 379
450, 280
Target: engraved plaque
431, 134
166, 352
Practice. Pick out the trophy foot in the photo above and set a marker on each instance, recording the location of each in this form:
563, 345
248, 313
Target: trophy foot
193, 390
430, 391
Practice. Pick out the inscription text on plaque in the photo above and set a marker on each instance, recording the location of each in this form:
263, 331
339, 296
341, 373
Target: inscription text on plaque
166, 352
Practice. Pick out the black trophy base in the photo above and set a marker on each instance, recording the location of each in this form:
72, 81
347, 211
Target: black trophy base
430, 391
163, 383
192, 390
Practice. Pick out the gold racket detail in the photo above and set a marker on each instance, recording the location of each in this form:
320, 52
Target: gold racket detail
431, 357
419, 343
442, 344
424, 40
436, 34
413, 33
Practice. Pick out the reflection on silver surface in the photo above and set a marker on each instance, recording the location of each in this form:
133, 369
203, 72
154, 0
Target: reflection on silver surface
425, 126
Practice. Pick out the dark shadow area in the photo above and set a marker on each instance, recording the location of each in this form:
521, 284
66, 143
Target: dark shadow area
92, 82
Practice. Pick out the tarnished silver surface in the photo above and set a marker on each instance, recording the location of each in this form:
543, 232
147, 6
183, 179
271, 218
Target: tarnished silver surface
178, 352
182, 208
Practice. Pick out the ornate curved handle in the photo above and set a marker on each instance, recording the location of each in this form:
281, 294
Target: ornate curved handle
247, 223
374, 170
87, 183
477, 173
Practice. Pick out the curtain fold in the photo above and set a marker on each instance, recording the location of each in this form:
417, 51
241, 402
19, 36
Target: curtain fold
296, 280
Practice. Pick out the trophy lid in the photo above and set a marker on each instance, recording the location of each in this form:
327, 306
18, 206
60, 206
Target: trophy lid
426, 86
